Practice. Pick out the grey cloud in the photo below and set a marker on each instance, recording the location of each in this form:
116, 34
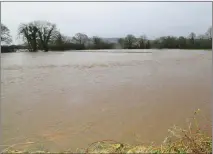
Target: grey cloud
113, 19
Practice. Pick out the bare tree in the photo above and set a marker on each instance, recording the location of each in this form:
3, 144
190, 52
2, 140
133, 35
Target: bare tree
58, 39
97, 41
38, 34
46, 32
130, 41
29, 34
80, 38
5, 34
192, 37
142, 41
209, 33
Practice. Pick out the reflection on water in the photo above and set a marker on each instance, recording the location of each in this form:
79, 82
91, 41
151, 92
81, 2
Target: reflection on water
62, 100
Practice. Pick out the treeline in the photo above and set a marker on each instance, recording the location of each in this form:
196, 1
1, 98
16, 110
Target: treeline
43, 35
12, 48
191, 42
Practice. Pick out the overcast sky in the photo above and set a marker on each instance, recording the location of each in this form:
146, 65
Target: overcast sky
112, 19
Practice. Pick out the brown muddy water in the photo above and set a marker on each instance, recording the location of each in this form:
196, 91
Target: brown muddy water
68, 100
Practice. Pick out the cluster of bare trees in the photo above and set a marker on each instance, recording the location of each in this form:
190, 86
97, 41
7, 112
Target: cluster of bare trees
38, 34
203, 41
43, 35
131, 42
80, 41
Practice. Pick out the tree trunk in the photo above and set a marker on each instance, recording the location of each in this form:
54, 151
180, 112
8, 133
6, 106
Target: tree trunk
45, 47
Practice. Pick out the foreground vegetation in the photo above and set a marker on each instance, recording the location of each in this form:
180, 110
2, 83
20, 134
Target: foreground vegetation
43, 35
191, 140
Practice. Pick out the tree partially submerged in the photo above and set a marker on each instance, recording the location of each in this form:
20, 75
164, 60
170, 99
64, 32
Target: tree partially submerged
38, 34
46, 32
29, 33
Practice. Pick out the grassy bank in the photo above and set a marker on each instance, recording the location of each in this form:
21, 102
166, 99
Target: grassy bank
194, 139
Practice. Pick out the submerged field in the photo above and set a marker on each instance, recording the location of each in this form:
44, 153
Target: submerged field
65, 101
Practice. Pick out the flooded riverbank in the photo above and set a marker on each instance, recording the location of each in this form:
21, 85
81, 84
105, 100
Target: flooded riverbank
69, 100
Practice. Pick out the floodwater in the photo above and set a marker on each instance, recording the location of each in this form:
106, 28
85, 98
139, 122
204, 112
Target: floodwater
68, 100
